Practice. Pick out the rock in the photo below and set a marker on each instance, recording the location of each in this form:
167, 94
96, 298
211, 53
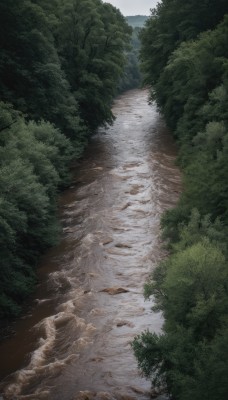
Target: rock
140, 390
107, 241
123, 246
124, 323
96, 359
115, 290
125, 206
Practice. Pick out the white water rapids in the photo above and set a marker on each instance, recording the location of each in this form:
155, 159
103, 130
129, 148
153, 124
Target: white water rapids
75, 343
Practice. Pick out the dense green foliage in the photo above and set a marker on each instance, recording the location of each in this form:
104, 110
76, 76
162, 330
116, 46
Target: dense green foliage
60, 64
91, 39
174, 22
131, 77
185, 59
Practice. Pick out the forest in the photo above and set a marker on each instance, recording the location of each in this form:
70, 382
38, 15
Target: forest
60, 65
132, 77
184, 58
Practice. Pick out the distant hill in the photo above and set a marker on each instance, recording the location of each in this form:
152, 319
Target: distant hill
137, 21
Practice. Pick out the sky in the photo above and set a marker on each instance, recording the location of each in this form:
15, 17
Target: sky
133, 7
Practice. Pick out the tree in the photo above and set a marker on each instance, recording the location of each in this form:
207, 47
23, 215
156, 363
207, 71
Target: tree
191, 290
31, 75
60, 63
184, 58
33, 164
131, 77
92, 38
171, 23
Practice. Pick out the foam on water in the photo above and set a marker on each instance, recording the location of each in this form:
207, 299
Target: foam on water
110, 243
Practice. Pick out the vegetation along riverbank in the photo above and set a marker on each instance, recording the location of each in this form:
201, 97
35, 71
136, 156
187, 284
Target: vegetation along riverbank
185, 61
60, 65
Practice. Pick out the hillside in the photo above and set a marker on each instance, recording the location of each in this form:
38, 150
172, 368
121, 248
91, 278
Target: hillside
137, 20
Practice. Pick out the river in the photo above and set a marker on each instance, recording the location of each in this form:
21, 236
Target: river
74, 342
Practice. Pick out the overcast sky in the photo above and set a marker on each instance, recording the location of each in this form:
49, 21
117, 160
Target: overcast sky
133, 7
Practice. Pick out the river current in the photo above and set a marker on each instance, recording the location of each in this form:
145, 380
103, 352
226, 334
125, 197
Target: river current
74, 343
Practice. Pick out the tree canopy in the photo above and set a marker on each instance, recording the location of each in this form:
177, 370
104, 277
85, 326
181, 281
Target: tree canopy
185, 61
60, 65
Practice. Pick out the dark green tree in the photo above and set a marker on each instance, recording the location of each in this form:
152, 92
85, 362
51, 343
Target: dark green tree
171, 23
184, 58
60, 64
33, 164
131, 77
91, 39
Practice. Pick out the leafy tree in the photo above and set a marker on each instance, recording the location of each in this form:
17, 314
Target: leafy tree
184, 58
191, 290
33, 159
31, 75
131, 76
91, 40
60, 63
171, 23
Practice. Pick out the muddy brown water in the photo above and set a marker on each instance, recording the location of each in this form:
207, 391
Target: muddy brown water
75, 341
